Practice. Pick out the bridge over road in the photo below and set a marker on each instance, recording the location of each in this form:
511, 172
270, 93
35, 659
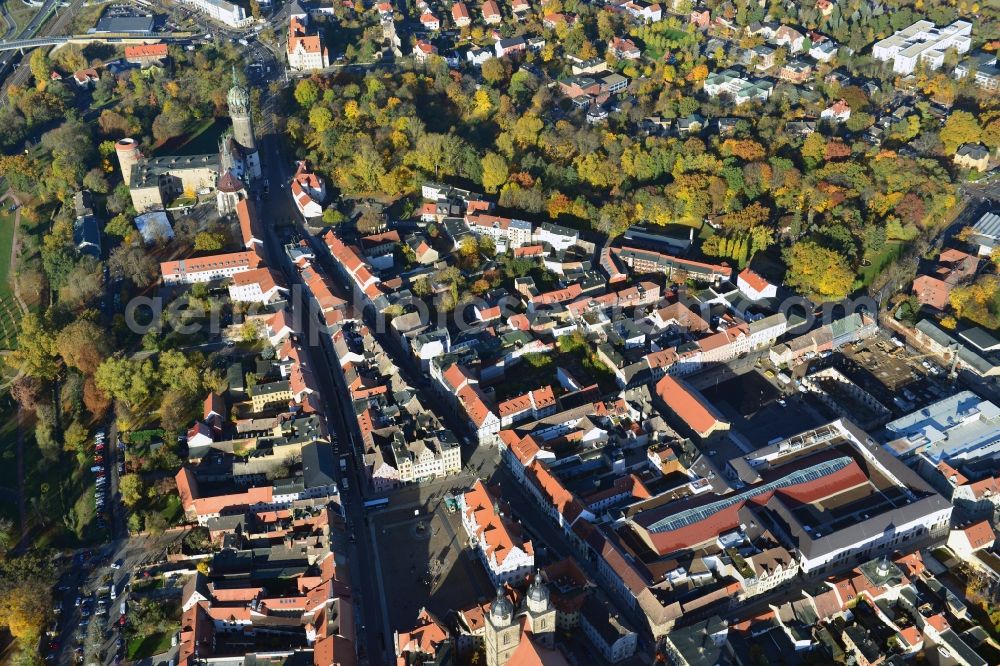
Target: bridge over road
124, 38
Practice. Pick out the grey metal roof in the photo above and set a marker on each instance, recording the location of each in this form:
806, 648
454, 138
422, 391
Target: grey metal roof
87, 236
988, 225
979, 338
125, 24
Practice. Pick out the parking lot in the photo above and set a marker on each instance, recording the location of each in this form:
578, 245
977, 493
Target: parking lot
89, 595
425, 562
899, 378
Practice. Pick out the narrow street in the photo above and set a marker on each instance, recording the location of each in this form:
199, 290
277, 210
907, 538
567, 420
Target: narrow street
276, 209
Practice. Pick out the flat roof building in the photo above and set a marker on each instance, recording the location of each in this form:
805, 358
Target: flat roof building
132, 24
957, 429
923, 42
826, 494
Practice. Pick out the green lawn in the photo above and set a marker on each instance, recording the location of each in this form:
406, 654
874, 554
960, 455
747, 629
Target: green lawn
147, 646
172, 510
8, 454
868, 273
6, 238
200, 138
20, 12
10, 313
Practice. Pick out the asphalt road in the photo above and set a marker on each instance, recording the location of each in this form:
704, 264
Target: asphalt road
278, 208
87, 576
986, 189
9, 22
36, 21
21, 75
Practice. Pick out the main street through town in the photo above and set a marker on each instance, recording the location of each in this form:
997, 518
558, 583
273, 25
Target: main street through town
281, 224
281, 217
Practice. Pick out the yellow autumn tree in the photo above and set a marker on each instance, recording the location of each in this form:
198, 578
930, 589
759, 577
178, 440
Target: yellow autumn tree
818, 272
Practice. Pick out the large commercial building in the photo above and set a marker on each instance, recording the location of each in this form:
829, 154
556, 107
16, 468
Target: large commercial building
826, 493
956, 430
224, 12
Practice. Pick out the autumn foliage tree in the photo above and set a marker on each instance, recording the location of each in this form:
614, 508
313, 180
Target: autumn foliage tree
818, 272
978, 302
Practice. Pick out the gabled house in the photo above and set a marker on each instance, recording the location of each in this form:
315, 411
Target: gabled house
972, 156
429, 21
507, 47
754, 287
491, 13
789, 37
423, 50
308, 191
624, 49
837, 112
460, 14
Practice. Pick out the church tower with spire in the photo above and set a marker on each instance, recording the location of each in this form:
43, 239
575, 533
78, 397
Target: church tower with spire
241, 115
502, 631
541, 612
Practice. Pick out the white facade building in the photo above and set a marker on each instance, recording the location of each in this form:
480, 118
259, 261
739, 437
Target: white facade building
306, 50
923, 42
505, 232
559, 237
256, 286
222, 11
506, 556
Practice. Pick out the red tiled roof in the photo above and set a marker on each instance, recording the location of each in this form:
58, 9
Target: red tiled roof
264, 276
529, 251
214, 262
527, 653
979, 534
938, 622
988, 487
690, 407
298, 36
931, 291
424, 638
214, 404
952, 474
499, 536
840, 107
725, 519
756, 282
455, 377
684, 316
543, 397
146, 51
911, 636
525, 450
563, 500
474, 404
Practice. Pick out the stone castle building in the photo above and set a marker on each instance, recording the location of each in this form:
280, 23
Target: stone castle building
154, 182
